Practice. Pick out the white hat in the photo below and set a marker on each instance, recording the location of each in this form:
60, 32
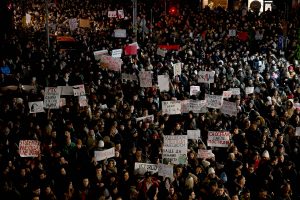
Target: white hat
205, 163
211, 171
101, 144
265, 154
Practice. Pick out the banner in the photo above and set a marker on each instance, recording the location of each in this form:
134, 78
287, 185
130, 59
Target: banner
84, 23
229, 108
98, 54
227, 94
175, 47
130, 50
177, 69
82, 101
206, 77
52, 97
165, 170
235, 91
102, 155
249, 90
78, 90
29, 148
214, 101
116, 53
112, 14
111, 63
194, 90
163, 83
145, 78
36, 107
148, 118
205, 154
218, 138
121, 14
171, 107
194, 134
146, 167
129, 77
175, 149
120, 33
73, 24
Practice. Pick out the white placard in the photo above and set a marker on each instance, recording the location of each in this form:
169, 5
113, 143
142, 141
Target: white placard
73, 24
197, 106
29, 148
82, 101
67, 90
227, 94
112, 14
129, 77
165, 170
121, 14
78, 90
148, 118
163, 83
105, 154
171, 107
116, 53
175, 149
28, 18
206, 76
249, 90
235, 91
297, 131
214, 101
98, 54
177, 69
218, 138
52, 97
147, 167
229, 108
145, 78
111, 63
194, 90
36, 107
194, 134
232, 33
205, 154
120, 33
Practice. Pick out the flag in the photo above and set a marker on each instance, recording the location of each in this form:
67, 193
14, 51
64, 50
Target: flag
243, 36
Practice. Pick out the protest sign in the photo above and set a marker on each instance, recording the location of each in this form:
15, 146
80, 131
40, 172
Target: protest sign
67, 90
214, 101
105, 154
147, 167
145, 78
112, 14
84, 23
82, 101
171, 107
120, 33
229, 108
218, 138
78, 90
163, 83
249, 90
129, 77
227, 94
206, 76
73, 24
98, 54
62, 102
197, 106
194, 90
36, 107
116, 53
232, 33
175, 47
130, 50
235, 91
111, 63
175, 149
52, 97
297, 133
165, 170
194, 134
121, 14
161, 52
205, 154
28, 19
29, 148
148, 118
177, 69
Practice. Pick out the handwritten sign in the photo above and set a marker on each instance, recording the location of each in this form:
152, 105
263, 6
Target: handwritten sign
205, 154
165, 170
102, 155
78, 90
84, 23
29, 148
163, 83
229, 108
214, 101
116, 53
249, 90
145, 78
111, 63
73, 24
112, 14
206, 76
227, 94
194, 134
98, 54
197, 106
218, 138
36, 107
171, 107
148, 118
235, 91
82, 101
147, 167
194, 90
175, 149
177, 69
120, 33
52, 97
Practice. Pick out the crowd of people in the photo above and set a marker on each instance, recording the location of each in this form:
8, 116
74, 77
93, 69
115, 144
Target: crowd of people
262, 159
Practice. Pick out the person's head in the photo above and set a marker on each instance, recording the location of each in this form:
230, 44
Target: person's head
126, 175
220, 190
85, 182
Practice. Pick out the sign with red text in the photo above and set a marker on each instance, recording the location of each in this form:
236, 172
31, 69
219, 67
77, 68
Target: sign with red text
29, 148
218, 138
52, 97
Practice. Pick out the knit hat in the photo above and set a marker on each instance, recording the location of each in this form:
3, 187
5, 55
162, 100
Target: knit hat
205, 163
211, 171
265, 154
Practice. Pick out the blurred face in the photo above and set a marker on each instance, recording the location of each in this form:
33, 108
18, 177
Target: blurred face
85, 182
220, 191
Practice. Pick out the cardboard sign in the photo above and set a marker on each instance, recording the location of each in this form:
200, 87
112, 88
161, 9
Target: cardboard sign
145, 78
102, 155
52, 97
78, 90
29, 148
214, 101
177, 69
163, 83
194, 90
165, 170
111, 63
205, 154
36, 107
235, 91
82, 101
197, 106
194, 134
218, 138
175, 149
98, 54
84, 23
206, 77
249, 90
147, 167
112, 14
116, 53
227, 94
120, 33
229, 108
171, 107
